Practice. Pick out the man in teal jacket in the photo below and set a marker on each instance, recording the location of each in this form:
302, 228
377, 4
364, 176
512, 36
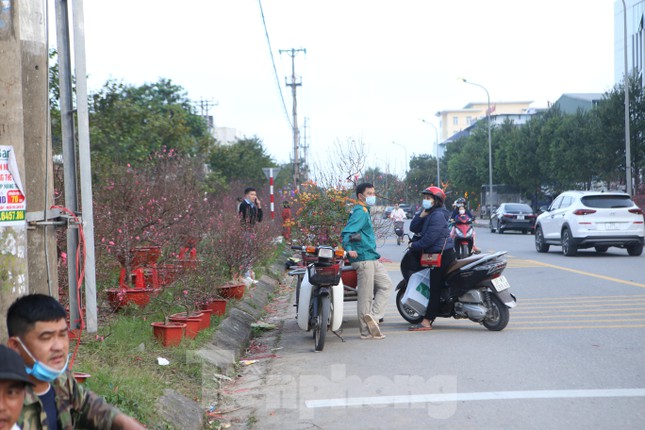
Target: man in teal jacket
373, 284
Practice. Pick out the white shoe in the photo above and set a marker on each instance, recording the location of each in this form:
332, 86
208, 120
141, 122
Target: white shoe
372, 326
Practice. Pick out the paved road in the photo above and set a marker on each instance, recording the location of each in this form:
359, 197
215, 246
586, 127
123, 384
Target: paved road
572, 357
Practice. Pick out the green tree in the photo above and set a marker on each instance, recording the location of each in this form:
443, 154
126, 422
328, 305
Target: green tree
129, 123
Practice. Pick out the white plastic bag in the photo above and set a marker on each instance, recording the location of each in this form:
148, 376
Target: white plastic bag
417, 293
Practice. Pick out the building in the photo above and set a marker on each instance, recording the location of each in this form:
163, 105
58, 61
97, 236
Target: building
569, 103
227, 135
635, 39
454, 121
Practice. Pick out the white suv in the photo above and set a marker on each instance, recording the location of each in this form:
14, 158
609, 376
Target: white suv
585, 219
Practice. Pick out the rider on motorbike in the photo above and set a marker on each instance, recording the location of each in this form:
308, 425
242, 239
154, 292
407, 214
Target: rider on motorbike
460, 209
432, 227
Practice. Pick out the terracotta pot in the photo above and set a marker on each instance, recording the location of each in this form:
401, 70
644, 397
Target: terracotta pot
218, 306
81, 377
169, 334
121, 297
193, 323
232, 291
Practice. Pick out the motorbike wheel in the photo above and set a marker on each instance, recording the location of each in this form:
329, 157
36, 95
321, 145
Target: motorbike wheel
408, 314
499, 315
398, 240
465, 252
322, 322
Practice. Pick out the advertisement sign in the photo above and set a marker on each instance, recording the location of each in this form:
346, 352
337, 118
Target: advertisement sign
13, 204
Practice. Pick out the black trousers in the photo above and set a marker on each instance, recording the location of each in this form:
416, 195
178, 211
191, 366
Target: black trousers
437, 283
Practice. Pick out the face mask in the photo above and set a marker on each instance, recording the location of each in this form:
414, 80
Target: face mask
427, 204
41, 371
370, 200
462, 211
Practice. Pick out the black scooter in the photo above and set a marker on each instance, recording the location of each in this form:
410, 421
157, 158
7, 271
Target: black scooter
474, 288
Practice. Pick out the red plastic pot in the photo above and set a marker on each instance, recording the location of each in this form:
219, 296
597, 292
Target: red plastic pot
169, 334
193, 323
349, 278
121, 297
206, 318
232, 291
218, 306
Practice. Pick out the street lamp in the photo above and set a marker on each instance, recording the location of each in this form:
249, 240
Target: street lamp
490, 147
436, 142
628, 155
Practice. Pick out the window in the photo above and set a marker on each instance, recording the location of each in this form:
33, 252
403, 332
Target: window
566, 202
469, 120
455, 120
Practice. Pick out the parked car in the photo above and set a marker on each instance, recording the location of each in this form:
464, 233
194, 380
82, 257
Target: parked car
409, 210
512, 216
586, 219
387, 211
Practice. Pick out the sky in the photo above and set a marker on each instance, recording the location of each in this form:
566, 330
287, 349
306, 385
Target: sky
372, 68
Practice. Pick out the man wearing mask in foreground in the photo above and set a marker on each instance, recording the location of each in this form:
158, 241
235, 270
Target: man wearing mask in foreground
373, 282
38, 331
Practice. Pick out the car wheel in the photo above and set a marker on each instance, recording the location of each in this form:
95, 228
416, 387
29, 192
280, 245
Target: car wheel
540, 245
635, 250
499, 228
601, 249
568, 248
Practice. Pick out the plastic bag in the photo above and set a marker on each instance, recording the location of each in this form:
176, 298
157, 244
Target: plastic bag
417, 293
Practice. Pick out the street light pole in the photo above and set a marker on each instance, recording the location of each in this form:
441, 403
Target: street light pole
490, 147
628, 155
436, 142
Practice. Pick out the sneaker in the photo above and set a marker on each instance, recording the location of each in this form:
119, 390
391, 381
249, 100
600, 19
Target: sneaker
372, 326
369, 337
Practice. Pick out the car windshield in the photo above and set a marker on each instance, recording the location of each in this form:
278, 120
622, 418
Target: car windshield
607, 201
518, 208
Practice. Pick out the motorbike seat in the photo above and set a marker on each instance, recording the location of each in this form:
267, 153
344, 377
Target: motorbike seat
457, 264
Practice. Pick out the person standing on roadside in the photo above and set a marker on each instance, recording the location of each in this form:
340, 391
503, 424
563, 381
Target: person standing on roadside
373, 283
286, 220
13, 383
250, 210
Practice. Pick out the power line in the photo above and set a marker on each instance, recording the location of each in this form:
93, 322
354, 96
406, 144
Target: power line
275, 71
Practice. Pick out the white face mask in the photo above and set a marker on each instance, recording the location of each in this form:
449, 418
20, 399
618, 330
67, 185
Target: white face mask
370, 200
427, 204
462, 211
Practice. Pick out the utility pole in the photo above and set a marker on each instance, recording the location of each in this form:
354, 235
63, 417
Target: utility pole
305, 149
27, 255
296, 133
204, 109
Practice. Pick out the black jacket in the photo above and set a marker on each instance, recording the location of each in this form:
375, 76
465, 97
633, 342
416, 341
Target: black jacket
249, 213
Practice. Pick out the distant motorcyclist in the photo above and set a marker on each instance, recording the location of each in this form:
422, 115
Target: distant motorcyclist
461, 209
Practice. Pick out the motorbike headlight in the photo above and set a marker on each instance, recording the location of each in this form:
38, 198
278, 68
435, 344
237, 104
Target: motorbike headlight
326, 253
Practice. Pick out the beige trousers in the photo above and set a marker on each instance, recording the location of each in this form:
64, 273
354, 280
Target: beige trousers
373, 288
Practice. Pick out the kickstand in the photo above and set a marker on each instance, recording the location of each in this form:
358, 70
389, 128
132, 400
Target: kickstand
339, 333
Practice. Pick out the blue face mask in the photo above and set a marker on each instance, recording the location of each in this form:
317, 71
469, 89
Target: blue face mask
41, 371
427, 204
370, 200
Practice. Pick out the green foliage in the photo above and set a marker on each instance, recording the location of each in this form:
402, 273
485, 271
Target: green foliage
129, 123
242, 160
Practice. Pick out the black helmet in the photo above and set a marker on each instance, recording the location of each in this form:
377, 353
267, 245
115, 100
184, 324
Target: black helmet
461, 201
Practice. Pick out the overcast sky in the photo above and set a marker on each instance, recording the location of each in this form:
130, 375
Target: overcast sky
371, 70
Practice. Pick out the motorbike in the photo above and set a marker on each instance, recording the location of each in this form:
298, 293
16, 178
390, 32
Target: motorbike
398, 231
474, 288
319, 292
462, 233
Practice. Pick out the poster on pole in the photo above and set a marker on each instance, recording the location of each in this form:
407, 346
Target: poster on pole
13, 204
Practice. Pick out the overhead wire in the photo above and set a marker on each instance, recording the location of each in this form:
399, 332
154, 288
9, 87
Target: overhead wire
275, 70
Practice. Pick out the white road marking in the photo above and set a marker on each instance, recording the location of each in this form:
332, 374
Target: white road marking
464, 397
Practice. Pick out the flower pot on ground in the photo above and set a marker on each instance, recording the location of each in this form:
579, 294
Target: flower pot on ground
233, 291
218, 306
193, 323
120, 297
169, 334
206, 318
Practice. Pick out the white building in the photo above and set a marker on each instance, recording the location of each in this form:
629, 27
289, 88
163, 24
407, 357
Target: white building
635, 39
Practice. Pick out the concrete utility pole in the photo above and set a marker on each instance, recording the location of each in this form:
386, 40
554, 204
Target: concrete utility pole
27, 256
296, 133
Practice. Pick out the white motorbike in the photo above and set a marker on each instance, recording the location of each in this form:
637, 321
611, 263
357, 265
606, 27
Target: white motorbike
319, 292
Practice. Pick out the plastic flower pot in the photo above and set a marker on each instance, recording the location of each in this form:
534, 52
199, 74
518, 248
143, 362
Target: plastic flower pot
206, 318
193, 323
232, 291
169, 334
81, 377
121, 297
218, 306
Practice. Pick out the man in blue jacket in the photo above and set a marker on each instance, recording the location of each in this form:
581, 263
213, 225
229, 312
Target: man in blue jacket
373, 282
